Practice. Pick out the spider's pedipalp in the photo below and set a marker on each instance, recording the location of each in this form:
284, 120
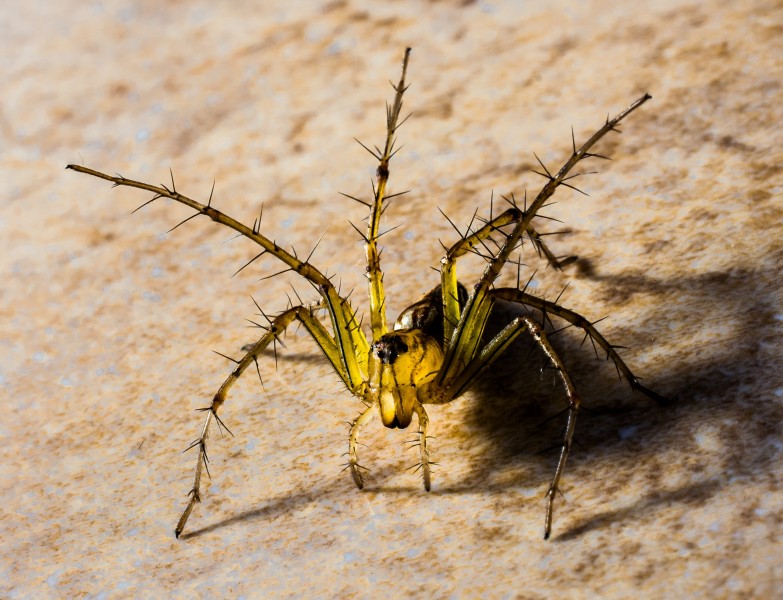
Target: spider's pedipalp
353, 437
424, 453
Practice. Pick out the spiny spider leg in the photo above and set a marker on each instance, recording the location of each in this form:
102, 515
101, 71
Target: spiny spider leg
494, 349
351, 342
545, 306
448, 269
461, 346
463, 329
278, 325
534, 236
374, 273
449, 274
573, 407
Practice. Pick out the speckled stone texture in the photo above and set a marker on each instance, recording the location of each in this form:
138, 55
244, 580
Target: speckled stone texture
108, 322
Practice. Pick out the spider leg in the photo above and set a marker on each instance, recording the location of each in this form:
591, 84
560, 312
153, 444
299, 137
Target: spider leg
450, 295
455, 385
325, 342
547, 307
351, 342
490, 352
448, 269
573, 407
461, 331
374, 272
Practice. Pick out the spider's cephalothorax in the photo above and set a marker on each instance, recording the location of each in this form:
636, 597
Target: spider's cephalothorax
409, 356
437, 347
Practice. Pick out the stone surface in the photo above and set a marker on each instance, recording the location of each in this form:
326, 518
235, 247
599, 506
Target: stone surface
108, 323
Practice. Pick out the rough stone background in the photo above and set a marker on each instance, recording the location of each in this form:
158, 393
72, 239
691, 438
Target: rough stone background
108, 322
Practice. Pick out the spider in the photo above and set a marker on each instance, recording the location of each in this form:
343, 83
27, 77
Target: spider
436, 348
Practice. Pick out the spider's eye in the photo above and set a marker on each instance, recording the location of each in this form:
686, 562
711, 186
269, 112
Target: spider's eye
389, 347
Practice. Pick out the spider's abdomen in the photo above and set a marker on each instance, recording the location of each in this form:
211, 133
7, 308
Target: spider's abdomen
407, 360
427, 313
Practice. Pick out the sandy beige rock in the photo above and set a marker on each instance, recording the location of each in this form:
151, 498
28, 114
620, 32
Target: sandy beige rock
108, 323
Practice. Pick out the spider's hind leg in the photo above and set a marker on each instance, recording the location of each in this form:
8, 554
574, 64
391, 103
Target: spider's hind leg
492, 350
552, 308
574, 402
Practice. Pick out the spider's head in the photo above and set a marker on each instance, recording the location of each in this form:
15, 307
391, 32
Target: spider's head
406, 361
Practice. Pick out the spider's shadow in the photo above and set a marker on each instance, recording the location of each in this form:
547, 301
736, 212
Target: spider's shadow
514, 413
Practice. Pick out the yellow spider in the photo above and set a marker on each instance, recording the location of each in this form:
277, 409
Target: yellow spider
437, 347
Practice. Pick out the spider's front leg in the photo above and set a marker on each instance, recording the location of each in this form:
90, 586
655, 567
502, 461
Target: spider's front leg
461, 326
347, 350
276, 328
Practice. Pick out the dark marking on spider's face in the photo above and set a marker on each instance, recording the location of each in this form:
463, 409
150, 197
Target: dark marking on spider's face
389, 347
